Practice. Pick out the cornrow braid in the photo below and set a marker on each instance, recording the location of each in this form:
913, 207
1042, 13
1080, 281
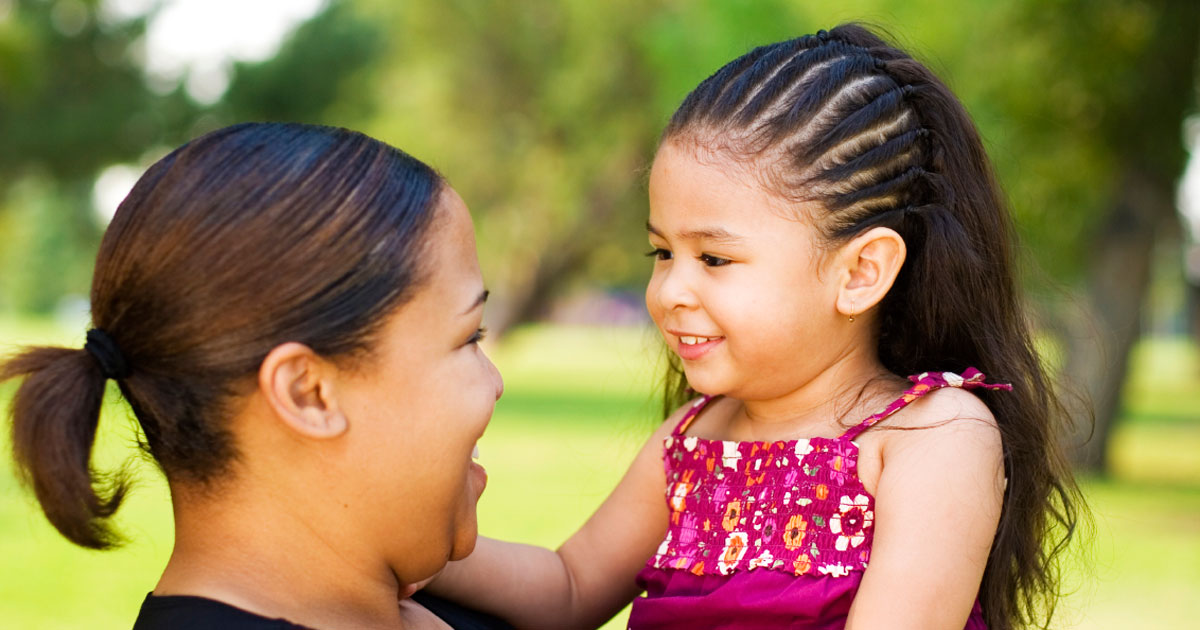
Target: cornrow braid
835, 124
858, 135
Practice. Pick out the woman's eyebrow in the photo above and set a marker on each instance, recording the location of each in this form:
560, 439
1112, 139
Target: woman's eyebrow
483, 296
716, 234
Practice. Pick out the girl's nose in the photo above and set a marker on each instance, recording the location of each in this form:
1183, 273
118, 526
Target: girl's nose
675, 289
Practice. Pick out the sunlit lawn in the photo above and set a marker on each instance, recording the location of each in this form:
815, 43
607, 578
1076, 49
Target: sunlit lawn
578, 403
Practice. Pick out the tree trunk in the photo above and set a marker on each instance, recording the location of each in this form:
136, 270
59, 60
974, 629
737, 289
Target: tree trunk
1120, 273
567, 254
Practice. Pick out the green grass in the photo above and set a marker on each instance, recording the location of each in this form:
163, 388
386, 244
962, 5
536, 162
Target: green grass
578, 404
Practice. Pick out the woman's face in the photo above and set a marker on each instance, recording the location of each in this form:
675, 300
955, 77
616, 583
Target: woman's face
418, 407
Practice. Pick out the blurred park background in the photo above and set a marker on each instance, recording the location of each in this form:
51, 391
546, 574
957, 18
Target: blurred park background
544, 116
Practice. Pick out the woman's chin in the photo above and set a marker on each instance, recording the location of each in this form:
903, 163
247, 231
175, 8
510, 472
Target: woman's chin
464, 541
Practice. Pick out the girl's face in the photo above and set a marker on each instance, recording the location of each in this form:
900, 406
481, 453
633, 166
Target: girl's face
739, 289
417, 409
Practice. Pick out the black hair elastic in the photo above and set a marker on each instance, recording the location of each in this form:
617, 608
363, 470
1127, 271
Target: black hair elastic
106, 353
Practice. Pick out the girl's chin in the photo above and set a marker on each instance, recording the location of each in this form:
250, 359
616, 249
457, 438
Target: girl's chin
704, 383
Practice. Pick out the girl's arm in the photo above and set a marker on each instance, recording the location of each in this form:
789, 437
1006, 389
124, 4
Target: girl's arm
937, 507
591, 576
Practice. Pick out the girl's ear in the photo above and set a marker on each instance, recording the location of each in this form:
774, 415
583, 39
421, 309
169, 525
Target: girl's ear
870, 263
298, 386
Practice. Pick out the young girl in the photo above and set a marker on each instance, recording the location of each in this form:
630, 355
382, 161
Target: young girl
824, 223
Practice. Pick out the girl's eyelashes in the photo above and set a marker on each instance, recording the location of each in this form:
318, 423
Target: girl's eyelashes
714, 261
708, 259
478, 336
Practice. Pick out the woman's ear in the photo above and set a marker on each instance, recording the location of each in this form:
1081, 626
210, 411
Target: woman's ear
298, 386
870, 263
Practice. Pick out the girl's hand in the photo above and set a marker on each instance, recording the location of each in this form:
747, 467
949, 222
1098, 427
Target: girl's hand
591, 576
407, 590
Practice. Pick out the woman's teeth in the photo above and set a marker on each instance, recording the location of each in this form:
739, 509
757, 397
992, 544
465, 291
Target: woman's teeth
475, 452
691, 341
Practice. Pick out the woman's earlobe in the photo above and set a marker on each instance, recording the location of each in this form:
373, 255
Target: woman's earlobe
298, 387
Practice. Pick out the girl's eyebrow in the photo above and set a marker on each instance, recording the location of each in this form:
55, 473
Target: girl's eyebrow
717, 234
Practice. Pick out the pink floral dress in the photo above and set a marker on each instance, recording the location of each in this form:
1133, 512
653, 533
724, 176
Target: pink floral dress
768, 534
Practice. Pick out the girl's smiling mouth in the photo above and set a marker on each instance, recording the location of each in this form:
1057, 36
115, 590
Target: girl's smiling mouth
692, 347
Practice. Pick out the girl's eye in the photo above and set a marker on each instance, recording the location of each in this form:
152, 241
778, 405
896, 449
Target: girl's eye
478, 336
714, 261
659, 254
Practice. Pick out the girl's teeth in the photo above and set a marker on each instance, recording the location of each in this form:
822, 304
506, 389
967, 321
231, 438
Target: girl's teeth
691, 341
475, 452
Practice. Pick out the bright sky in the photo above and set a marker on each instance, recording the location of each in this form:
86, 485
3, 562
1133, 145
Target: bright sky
197, 41
1188, 201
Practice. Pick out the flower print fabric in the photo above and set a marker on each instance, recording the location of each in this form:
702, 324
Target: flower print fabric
767, 534
805, 513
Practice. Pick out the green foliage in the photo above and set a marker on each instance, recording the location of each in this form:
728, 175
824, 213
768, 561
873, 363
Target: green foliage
1086, 90
538, 117
73, 100
50, 239
313, 73
72, 96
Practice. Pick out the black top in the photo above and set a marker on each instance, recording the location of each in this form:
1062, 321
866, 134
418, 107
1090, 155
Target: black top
186, 612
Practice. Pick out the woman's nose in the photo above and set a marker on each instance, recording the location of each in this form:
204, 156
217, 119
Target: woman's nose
498, 379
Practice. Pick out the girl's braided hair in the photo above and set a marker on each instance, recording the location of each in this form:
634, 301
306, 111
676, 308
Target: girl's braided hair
863, 135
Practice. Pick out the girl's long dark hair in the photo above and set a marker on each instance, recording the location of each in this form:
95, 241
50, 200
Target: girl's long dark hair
243, 239
851, 124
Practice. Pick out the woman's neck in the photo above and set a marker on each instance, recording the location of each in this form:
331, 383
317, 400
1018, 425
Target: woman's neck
260, 554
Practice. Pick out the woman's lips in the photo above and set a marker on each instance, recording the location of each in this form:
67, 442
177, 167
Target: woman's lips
481, 478
478, 471
696, 349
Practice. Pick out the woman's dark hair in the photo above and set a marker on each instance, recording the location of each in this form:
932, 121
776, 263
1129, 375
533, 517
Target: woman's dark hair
243, 239
849, 124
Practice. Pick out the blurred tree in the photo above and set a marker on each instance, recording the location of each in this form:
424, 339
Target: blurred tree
72, 100
1100, 93
539, 118
316, 76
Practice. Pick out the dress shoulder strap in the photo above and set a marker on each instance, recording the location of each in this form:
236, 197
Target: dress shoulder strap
923, 384
691, 414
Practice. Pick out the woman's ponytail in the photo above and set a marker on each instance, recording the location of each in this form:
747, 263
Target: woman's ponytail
55, 412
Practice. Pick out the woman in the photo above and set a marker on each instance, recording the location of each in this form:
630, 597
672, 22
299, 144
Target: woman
292, 312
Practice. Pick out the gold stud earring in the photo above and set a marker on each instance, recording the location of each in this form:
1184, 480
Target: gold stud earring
852, 309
